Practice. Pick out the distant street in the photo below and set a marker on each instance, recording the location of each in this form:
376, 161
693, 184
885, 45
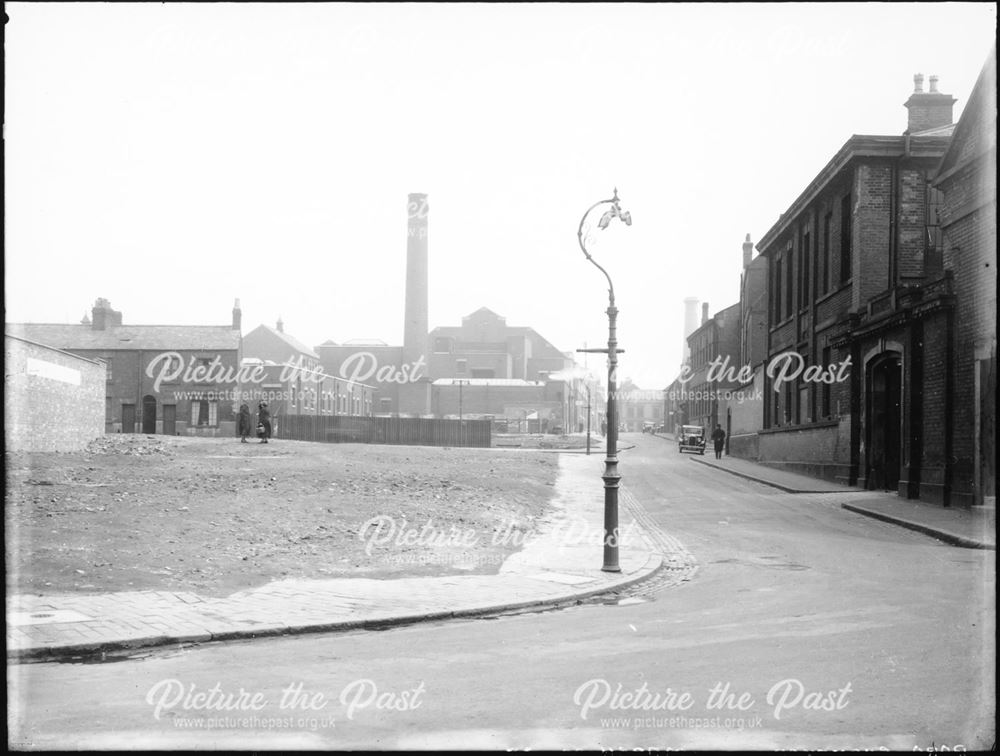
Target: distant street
805, 626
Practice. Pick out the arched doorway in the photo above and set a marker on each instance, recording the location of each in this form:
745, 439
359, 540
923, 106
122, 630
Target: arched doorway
885, 395
149, 414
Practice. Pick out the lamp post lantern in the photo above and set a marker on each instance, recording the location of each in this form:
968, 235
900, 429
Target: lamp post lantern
611, 476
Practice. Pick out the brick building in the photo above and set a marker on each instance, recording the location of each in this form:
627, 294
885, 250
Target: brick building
861, 311
53, 400
967, 179
274, 345
707, 391
484, 346
486, 368
747, 411
171, 379
674, 404
637, 406
529, 406
290, 390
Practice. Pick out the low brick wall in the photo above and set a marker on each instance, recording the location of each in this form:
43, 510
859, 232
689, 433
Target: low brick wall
54, 400
821, 450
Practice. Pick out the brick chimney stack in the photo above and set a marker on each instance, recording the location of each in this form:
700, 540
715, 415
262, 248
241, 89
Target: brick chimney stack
704, 313
927, 110
103, 317
415, 327
747, 252
690, 324
237, 316
280, 325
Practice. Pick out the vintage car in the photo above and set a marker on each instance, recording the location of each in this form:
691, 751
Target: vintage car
648, 427
691, 438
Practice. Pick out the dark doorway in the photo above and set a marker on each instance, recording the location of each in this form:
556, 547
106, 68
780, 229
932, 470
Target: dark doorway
170, 419
128, 418
884, 416
149, 414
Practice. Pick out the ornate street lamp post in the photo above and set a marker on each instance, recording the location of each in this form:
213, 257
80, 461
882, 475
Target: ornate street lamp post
611, 476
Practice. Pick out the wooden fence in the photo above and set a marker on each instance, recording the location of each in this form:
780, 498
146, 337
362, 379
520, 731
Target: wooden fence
418, 431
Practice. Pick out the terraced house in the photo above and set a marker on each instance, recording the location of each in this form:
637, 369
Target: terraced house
170, 379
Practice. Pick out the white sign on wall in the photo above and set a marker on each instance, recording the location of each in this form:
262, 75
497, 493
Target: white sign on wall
53, 371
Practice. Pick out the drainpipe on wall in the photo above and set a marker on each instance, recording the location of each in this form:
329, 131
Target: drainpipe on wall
949, 404
140, 419
893, 213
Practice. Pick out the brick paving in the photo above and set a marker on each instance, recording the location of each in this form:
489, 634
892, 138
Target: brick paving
561, 564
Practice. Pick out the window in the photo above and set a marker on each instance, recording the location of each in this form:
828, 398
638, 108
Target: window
845, 239
824, 273
789, 281
460, 366
204, 412
108, 361
935, 241
483, 372
775, 398
788, 404
385, 404
201, 369
804, 410
776, 289
804, 272
825, 391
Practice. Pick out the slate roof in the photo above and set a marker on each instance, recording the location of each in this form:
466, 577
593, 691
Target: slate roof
291, 341
506, 382
132, 337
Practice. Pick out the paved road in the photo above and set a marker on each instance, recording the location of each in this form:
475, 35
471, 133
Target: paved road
815, 628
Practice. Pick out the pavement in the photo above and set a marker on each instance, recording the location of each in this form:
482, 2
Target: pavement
974, 527
560, 565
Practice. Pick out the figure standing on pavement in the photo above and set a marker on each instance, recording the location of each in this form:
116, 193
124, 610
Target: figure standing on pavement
263, 422
719, 437
243, 423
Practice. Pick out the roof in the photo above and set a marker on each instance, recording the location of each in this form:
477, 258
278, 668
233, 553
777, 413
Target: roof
544, 348
979, 112
946, 130
508, 382
291, 341
52, 349
484, 311
714, 320
131, 337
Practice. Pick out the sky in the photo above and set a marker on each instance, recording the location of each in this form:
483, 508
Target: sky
174, 157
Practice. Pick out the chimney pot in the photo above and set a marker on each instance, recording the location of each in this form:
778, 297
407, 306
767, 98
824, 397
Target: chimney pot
103, 316
927, 110
747, 251
918, 83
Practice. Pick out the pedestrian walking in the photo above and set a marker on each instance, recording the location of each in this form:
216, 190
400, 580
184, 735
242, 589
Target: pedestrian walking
243, 423
719, 437
263, 422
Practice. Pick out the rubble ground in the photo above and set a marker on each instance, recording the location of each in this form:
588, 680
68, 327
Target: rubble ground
214, 516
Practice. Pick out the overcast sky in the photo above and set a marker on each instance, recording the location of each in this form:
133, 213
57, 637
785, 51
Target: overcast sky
174, 157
